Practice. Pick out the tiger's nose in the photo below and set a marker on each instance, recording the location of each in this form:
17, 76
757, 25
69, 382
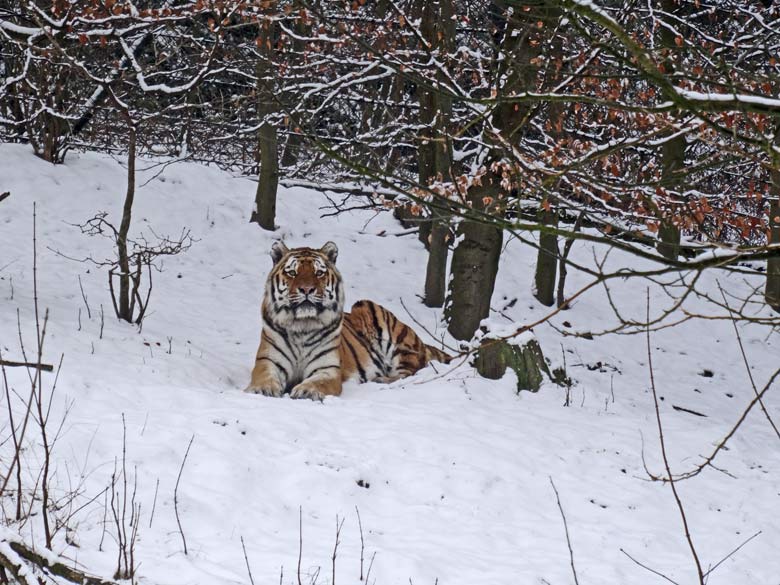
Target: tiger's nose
306, 290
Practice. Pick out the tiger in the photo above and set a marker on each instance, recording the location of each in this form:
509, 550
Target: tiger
309, 346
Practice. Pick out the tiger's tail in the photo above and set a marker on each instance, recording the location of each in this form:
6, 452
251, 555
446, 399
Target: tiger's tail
434, 354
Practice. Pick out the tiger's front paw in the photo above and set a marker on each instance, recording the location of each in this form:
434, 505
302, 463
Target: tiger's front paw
265, 389
303, 391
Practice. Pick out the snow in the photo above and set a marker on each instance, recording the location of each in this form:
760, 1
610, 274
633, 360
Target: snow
590, 6
20, 30
699, 96
450, 472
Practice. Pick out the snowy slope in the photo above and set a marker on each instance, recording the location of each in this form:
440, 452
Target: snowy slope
450, 472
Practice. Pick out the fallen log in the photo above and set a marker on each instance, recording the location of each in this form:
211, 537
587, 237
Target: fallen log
23, 563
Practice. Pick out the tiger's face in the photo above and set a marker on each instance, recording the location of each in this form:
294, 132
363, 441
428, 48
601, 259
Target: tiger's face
304, 289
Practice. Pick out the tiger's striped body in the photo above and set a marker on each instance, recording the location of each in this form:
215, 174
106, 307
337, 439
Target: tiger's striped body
309, 346
376, 346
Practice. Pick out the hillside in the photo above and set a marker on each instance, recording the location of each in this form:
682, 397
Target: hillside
451, 473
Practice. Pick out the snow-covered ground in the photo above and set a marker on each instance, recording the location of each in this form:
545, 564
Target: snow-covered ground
450, 472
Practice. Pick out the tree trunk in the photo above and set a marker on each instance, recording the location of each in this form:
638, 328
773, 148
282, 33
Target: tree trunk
673, 150
673, 159
474, 266
522, 42
424, 233
53, 128
292, 148
264, 213
294, 143
475, 260
436, 268
546, 261
562, 261
548, 257
435, 158
772, 291
268, 181
124, 310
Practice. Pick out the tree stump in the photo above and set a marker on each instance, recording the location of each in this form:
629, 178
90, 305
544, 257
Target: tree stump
525, 359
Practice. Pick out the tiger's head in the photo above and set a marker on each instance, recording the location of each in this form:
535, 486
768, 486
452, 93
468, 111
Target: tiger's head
304, 290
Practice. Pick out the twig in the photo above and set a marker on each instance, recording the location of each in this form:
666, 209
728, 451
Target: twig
246, 560
688, 410
300, 542
566, 529
362, 542
176, 494
421, 326
708, 461
84, 296
125, 564
135, 521
562, 268
113, 294
117, 523
529, 327
649, 568
4, 196
17, 445
747, 364
154, 502
37, 390
128, 569
677, 499
335, 550
105, 514
731, 554
44, 367
28, 411
370, 566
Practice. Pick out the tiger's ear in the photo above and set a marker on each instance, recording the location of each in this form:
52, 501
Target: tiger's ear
331, 251
278, 249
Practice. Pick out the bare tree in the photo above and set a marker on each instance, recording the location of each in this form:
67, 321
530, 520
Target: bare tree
772, 291
434, 150
264, 213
